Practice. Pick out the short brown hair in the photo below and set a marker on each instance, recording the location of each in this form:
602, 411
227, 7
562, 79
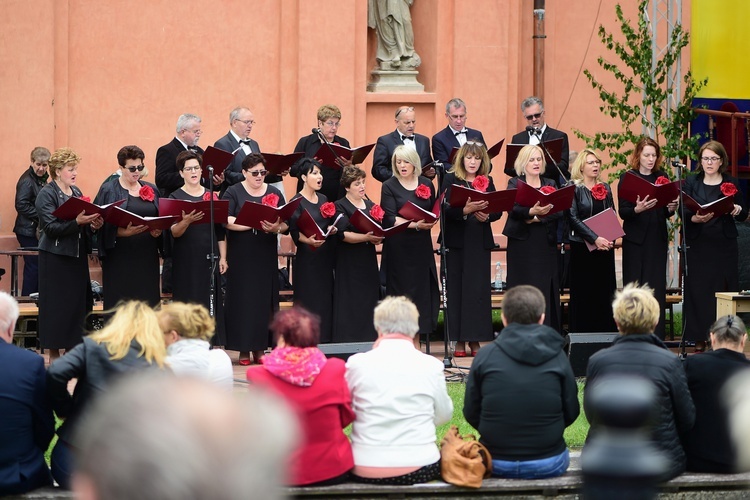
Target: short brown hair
327, 111
635, 158
129, 153
717, 148
523, 304
61, 158
351, 174
252, 160
183, 157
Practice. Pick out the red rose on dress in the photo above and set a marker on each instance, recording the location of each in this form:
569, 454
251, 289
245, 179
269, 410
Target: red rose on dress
547, 189
146, 193
728, 189
328, 210
86, 199
271, 200
599, 191
661, 181
423, 192
207, 196
377, 213
481, 183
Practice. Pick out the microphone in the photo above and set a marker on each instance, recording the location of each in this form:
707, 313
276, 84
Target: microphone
316, 131
533, 130
676, 163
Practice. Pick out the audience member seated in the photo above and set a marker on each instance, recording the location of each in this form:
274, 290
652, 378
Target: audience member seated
399, 396
188, 328
130, 341
637, 351
27, 425
521, 393
708, 446
316, 390
178, 438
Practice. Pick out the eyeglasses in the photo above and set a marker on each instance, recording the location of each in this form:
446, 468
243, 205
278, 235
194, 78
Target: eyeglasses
408, 109
475, 143
256, 173
247, 122
710, 159
191, 169
535, 116
134, 168
594, 162
331, 124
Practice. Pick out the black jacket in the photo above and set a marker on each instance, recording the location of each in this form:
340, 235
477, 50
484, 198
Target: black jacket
583, 208
167, 176
382, 167
331, 187
27, 189
516, 227
636, 225
521, 394
454, 217
59, 236
673, 414
694, 188
549, 134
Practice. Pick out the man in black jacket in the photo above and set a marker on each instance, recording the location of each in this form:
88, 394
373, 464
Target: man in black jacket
406, 121
521, 393
27, 220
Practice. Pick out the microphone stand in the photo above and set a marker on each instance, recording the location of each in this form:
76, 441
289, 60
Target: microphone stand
212, 253
682, 250
536, 132
325, 141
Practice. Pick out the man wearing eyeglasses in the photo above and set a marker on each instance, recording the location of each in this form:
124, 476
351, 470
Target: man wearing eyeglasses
455, 134
403, 135
167, 175
537, 131
237, 141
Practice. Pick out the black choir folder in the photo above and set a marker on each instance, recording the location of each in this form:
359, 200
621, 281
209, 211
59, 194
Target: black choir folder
356, 155
561, 199
632, 186
604, 224
216, 158
74, 206
364, 223
499, 201
253, 214
415, 214
121, 218
718, 208
276, 164
171, 206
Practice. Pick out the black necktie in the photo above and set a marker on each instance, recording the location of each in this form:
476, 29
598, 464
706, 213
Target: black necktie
405, 137
459, 133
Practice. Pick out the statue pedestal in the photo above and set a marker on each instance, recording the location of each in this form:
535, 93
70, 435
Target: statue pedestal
394, 81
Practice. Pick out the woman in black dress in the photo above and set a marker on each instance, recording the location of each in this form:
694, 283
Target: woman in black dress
313, 266
252, 280
645, 244
468, 236
532, 236
712, 242
192, 243
409, 256
64, 284
592, 274
357, 286
130, 255
329, 120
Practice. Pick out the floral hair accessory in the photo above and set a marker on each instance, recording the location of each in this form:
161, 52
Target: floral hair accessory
270, 200
660, 181
728, 189
599, 191
547, 189
146, 193
377, 213
481, 183
423, 192
328, 210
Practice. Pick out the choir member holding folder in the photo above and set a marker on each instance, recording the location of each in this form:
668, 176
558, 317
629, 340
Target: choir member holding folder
192, 242
409, 256
316, 257
64, 285
532, 235
130, 255
468, 236
252, 280
592, 273
357, 286
712, 242
644, 246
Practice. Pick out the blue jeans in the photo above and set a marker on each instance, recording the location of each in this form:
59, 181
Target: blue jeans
532, 469
62, 464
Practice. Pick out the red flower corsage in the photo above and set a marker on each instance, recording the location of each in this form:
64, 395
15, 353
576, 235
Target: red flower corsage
728, 189
85, 198
270, 200
599, 191
660, 181
146, 193
547, 189
423, 192
328, 210
481, 183
377, 213
207, 196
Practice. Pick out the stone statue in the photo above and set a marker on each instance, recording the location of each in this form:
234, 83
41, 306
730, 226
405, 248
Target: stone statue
391, 20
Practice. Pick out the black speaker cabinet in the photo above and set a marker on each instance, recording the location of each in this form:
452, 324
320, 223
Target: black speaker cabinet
582, 345
344, 349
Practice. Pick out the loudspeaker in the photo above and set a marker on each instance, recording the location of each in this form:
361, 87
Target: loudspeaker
581, 346
344, 349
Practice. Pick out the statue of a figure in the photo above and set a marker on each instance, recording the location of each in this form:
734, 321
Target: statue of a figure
391, 20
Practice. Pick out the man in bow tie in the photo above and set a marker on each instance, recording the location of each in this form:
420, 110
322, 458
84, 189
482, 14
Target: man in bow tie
188, 134
237, 141
406, 121
455, 134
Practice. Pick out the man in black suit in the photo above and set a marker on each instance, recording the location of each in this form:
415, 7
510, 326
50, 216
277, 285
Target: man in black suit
533, 110
455, 134
406, 122
27, 425
237, 141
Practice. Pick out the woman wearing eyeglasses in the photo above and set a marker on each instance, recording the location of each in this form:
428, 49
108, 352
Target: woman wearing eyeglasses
329, 120
252, 279
592, 274
130, 255
192, 243
712, 242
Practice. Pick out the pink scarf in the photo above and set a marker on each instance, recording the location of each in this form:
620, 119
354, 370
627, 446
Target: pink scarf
296, 365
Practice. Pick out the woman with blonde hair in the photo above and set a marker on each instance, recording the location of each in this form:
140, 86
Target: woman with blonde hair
592, 274
409, 256
130, 341
188, 329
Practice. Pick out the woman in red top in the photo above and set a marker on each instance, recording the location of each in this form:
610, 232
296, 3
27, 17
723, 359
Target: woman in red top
316, 390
